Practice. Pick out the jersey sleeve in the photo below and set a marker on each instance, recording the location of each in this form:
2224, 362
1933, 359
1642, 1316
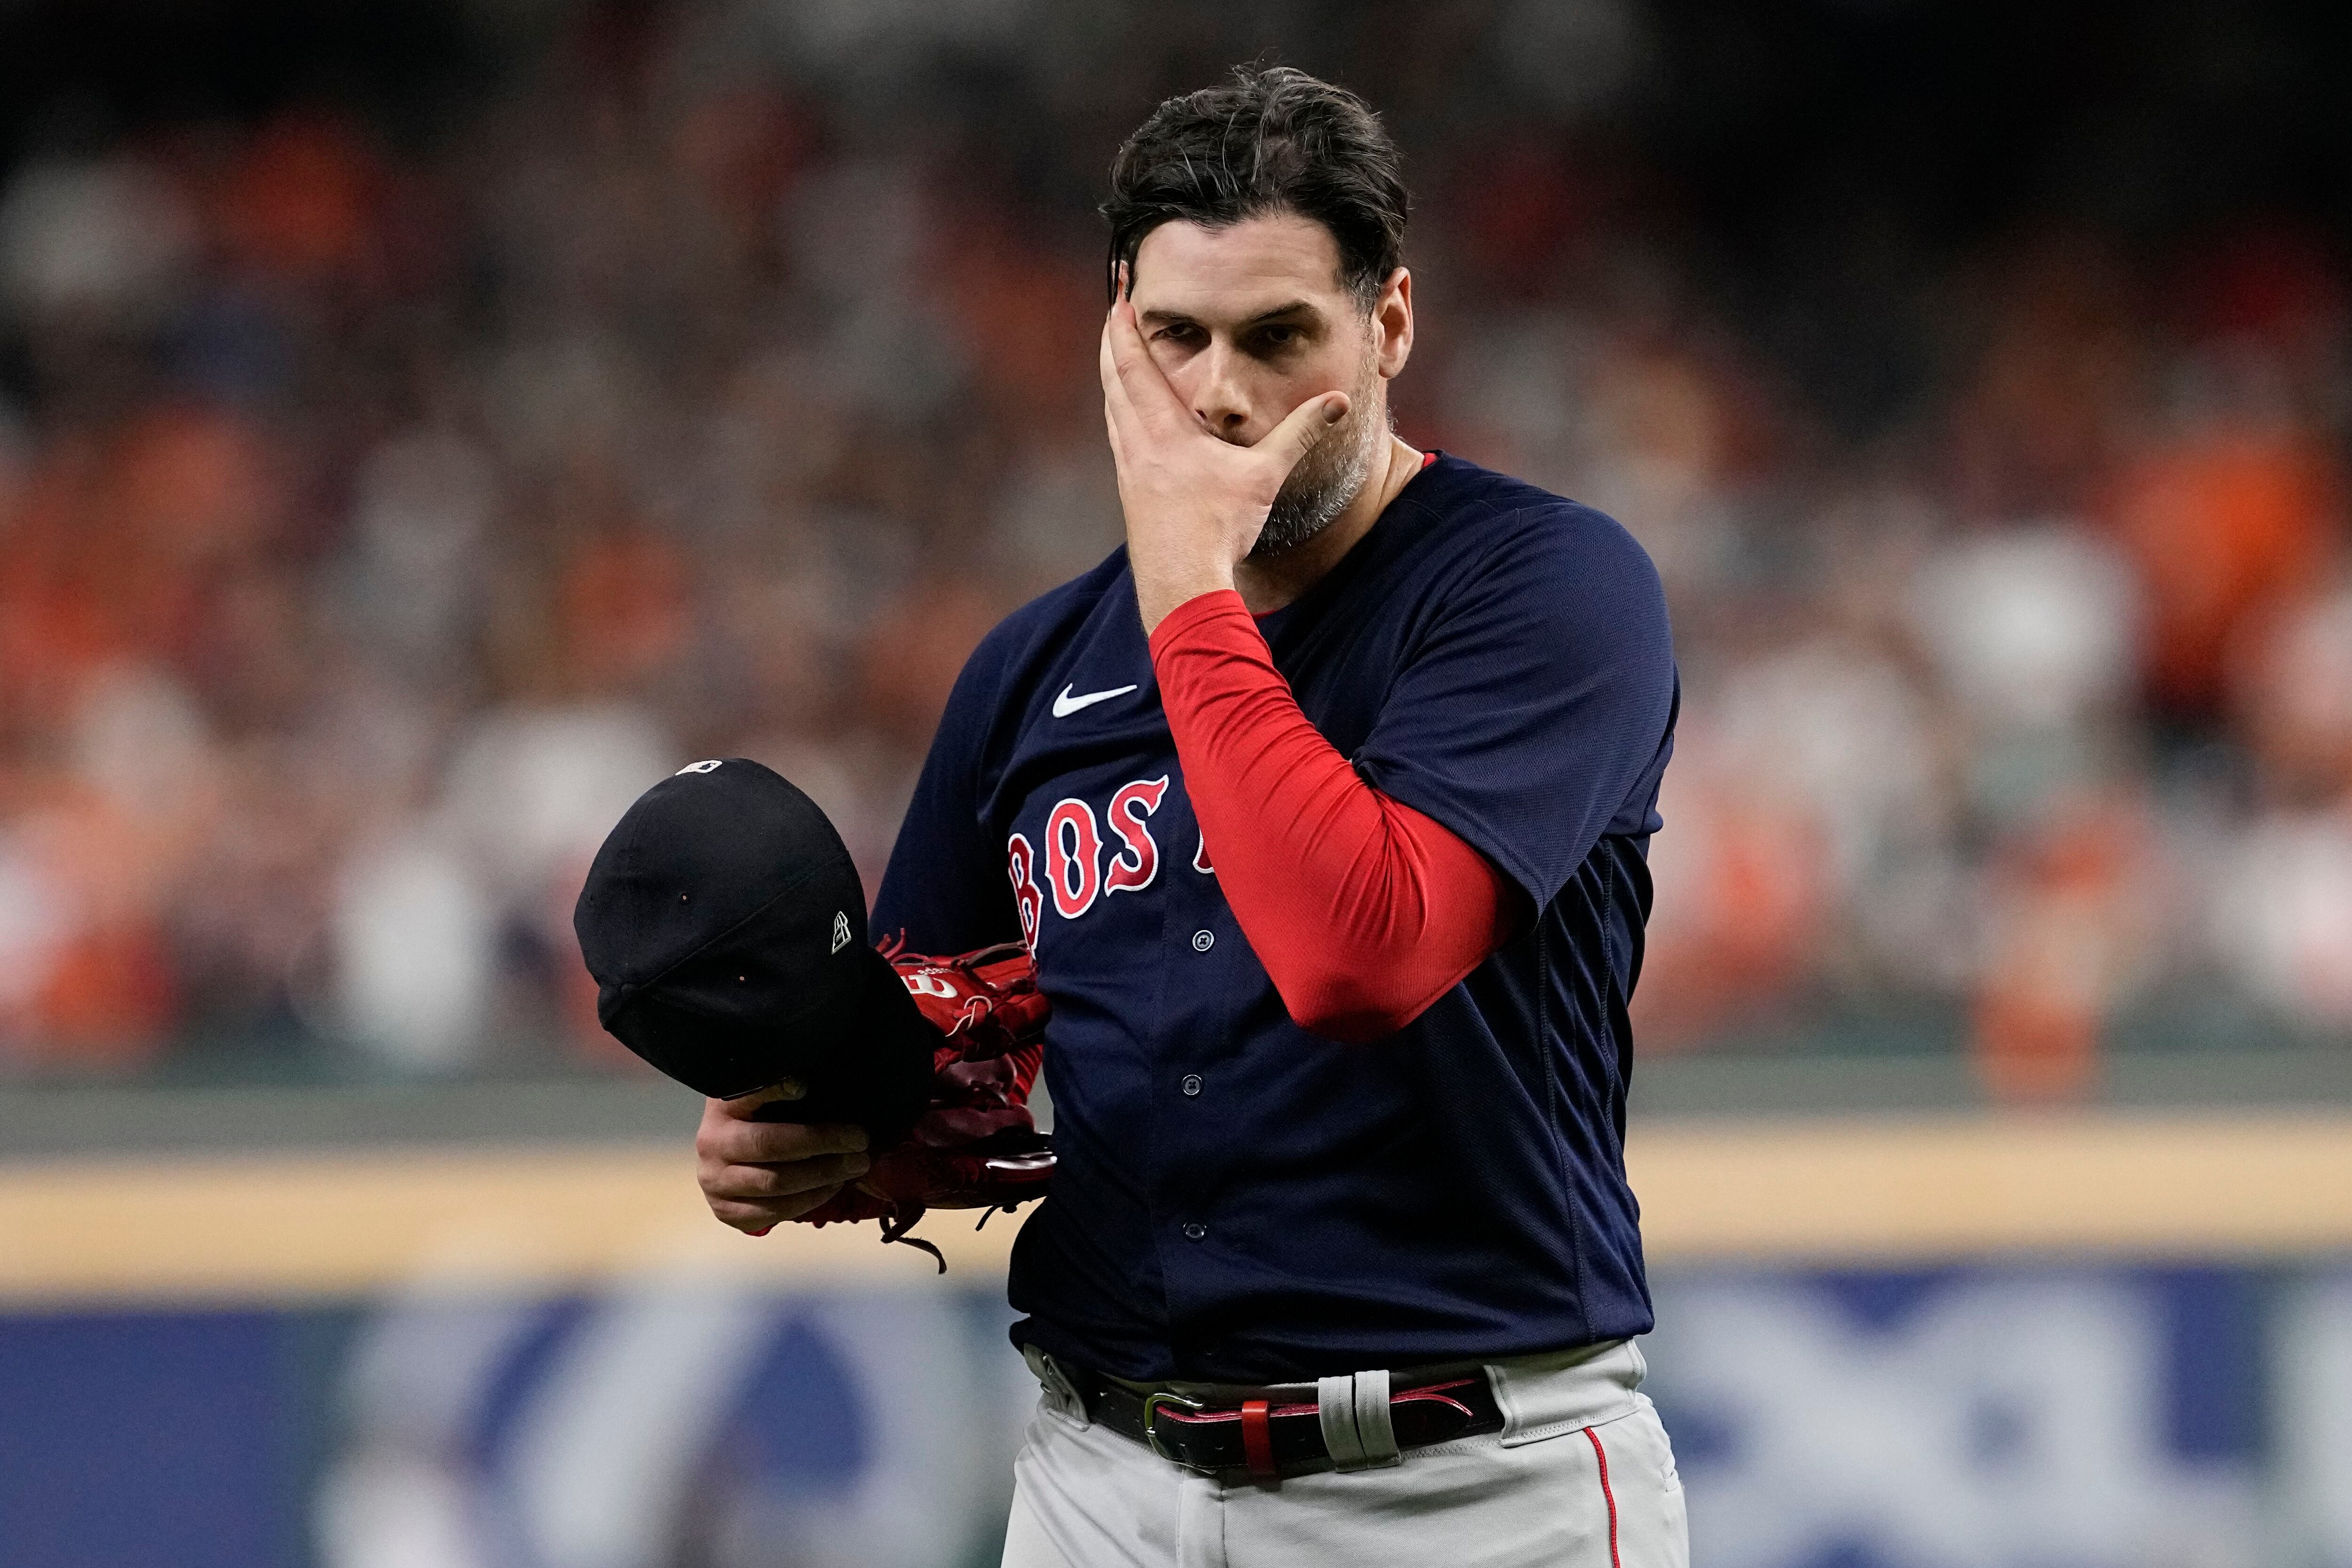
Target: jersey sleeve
946, 890
1534, 713
1363, 910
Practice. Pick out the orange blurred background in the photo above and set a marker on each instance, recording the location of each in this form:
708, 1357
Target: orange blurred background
418, 433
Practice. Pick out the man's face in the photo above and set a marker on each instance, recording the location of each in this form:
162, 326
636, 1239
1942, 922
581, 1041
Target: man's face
1250, 321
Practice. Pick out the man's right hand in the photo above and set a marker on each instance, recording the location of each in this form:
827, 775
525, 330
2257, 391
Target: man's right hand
756, 1174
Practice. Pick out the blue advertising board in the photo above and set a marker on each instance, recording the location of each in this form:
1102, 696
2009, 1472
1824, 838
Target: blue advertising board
1976, 1416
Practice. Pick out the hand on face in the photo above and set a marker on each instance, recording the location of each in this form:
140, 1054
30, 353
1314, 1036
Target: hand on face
1195, 504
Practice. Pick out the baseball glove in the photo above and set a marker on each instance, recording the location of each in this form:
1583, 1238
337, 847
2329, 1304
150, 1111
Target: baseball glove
976, 1147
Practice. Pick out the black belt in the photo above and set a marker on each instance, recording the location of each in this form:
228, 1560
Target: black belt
1219, 1434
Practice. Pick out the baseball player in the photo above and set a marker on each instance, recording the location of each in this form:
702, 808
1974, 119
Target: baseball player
1321, 807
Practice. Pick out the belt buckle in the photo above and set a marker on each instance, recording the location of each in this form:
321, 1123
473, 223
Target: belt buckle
1151, 1403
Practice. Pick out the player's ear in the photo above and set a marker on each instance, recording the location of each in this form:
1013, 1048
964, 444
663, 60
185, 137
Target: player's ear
1392, 322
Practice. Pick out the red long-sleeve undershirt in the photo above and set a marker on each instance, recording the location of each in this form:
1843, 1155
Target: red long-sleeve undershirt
1363, 910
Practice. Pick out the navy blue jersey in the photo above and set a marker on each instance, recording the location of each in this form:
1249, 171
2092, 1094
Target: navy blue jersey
1237, 1199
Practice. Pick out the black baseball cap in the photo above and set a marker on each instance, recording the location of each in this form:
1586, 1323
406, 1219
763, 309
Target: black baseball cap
724, 925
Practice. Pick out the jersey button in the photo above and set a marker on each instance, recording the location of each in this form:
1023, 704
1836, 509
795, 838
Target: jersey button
1192, 1083
1194, 1230
1203, 941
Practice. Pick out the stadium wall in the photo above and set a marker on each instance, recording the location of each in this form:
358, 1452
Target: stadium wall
1902, 1339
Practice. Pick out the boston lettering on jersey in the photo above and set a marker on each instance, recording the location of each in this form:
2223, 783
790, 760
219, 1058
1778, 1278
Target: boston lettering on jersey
1238, 1199
1073, 866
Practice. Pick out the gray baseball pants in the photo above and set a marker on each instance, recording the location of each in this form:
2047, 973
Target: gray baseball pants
1581, 1476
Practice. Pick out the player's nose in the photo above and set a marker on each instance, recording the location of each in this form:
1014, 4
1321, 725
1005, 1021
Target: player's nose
1220, 401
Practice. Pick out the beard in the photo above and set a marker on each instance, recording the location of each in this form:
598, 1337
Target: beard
1331, 476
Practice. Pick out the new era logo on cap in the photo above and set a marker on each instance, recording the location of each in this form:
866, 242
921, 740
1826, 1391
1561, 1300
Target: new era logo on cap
840, 930
710, 766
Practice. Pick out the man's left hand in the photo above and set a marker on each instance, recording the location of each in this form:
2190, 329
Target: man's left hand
1195, 505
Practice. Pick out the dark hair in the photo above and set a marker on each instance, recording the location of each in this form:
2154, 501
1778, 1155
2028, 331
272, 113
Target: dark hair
1272, 140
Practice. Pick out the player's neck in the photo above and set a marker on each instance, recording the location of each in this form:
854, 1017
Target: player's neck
1269, 585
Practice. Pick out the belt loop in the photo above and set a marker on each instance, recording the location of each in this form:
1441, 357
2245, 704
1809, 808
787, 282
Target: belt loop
1061, 1393
1374, 1429
1334, 1403
1257, 1438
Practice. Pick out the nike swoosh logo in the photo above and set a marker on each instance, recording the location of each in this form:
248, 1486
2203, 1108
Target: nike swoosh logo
1064, 705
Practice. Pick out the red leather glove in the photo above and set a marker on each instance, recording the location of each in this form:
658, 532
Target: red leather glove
977, 1145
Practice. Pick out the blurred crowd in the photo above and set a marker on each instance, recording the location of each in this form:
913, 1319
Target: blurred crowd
380, 513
